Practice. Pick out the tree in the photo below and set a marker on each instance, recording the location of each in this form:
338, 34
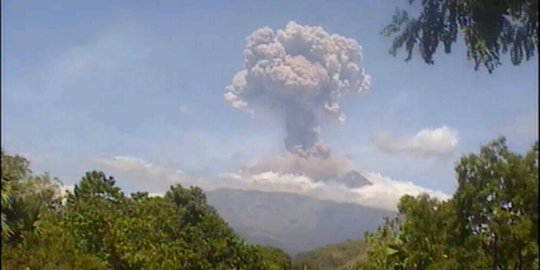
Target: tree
333, 256
497, 199
32, 237
491, 222
274, 258
217, 246
27, 197
177, 231
422, 237
14, 170
489, 28
30, 200
97, 184
92, 210
52, 249
98, 227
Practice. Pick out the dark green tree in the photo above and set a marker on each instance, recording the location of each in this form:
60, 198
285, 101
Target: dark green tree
177, 231
26, 199
53, 248
30, 213
491, 222
497, 203
91, 211
217, 246
489, 29
274, 258
14, 171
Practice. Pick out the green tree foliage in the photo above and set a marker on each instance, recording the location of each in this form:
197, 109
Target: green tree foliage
14, 170
497, 200
26, 197
490, 223
30, 214
489, 29
91, 211
52, 249
274, 258
335, 256
177, 231
98, 227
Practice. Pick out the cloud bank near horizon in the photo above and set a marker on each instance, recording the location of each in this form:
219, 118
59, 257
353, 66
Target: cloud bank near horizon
383, 192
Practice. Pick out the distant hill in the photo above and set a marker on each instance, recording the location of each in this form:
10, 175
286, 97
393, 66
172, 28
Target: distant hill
293, 222
336, 256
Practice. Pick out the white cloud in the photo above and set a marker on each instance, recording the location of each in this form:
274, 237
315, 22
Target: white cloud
382, 193
386, 192
142, 174
427, 142
315, 168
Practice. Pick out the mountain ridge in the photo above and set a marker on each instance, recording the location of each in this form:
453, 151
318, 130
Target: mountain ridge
293, 222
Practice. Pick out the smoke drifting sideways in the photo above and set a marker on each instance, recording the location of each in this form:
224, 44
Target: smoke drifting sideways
299, 72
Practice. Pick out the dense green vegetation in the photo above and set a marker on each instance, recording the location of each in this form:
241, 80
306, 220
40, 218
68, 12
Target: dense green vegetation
99, 227
331, 256
491, 222
274, 258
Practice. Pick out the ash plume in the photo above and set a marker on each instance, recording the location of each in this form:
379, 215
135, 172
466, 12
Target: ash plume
299, 72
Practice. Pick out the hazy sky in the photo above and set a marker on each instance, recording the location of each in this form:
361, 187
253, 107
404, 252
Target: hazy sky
84, 81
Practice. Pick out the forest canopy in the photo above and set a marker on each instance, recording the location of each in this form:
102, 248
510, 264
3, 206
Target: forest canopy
97, 226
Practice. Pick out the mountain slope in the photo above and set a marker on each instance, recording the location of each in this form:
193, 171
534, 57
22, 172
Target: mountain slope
293, 222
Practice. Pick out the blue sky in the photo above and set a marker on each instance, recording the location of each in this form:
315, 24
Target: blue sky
84, 80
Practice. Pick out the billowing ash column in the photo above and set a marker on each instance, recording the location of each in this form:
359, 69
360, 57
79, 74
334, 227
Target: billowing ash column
300, 71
